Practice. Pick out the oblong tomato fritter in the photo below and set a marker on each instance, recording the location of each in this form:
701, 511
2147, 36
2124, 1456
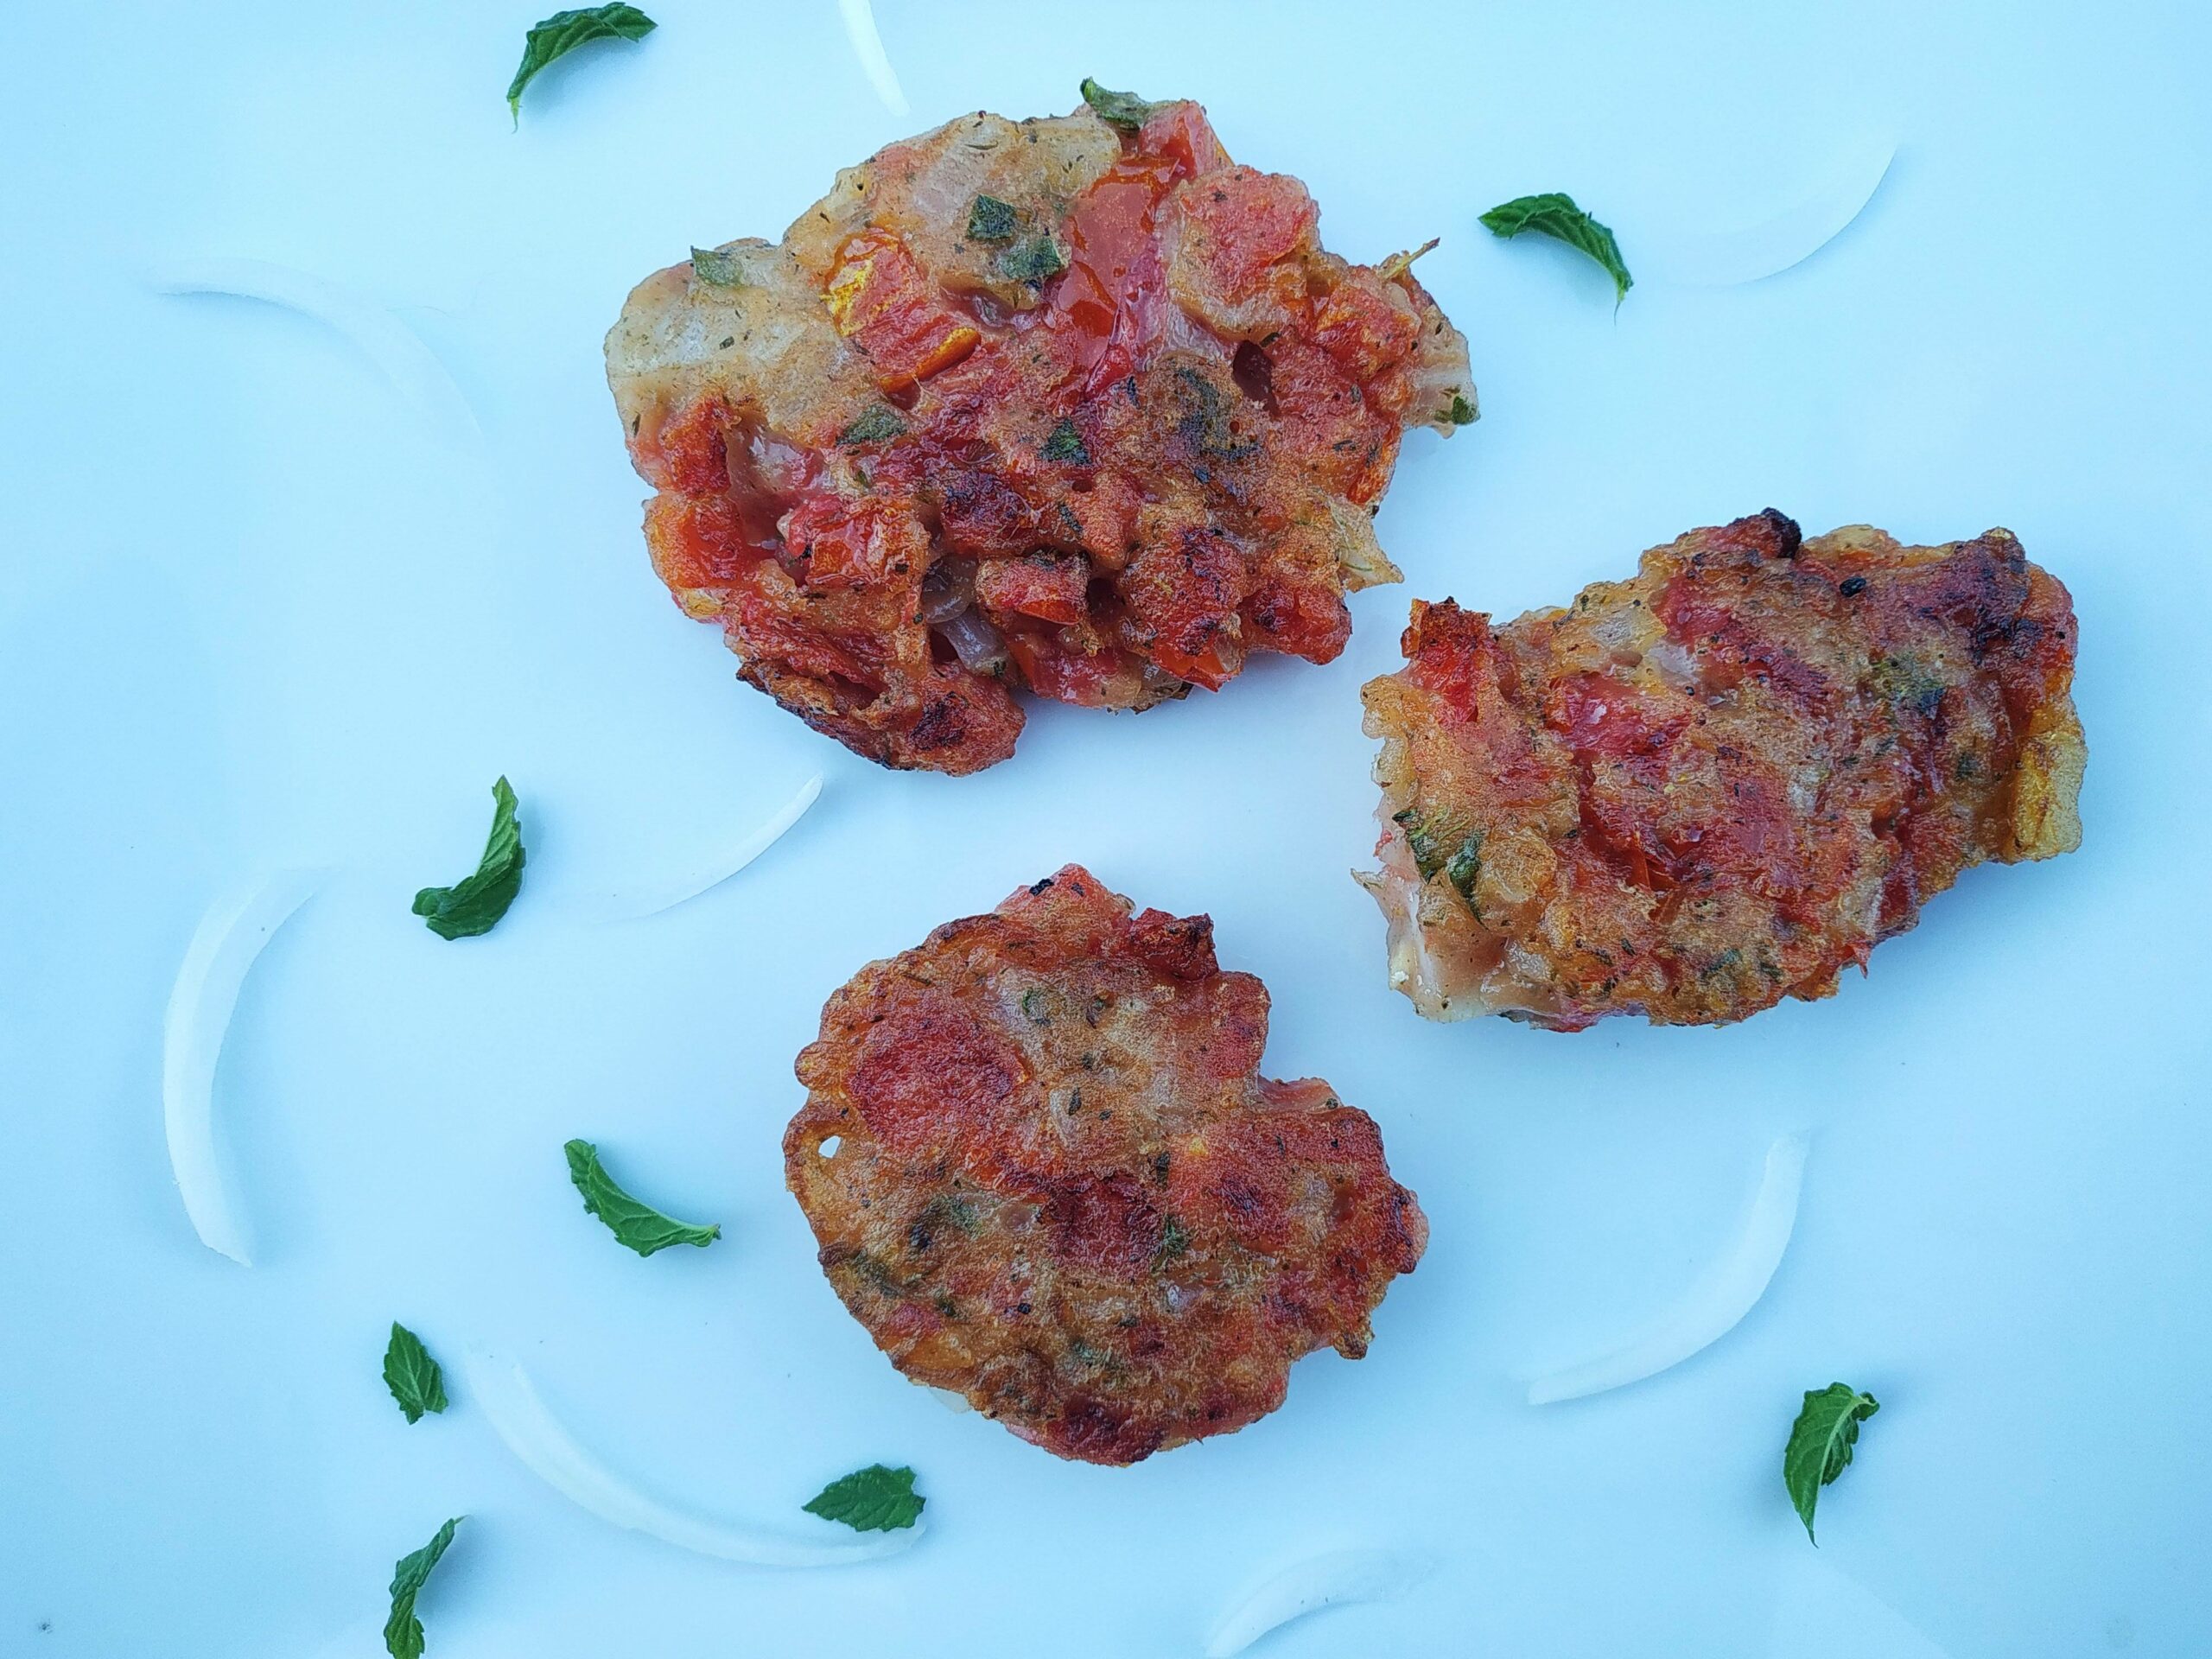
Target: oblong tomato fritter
1690, 795
1072, 404
1044, 1173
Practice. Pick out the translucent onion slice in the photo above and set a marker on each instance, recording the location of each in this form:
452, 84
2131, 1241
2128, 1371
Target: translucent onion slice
980, 646
503, 1391
397, 350
1306, 1586
859, 18
1714, 1305
1814, 215
230, 936
651, 898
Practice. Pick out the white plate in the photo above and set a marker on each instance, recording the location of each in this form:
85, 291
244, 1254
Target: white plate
265, 604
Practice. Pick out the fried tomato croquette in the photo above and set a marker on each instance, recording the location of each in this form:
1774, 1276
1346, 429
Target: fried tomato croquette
1690, 795
1072, 404
1044, 1173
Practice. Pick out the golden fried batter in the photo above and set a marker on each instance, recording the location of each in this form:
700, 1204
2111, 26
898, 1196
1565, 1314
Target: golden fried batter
1691, 795
1074, 404
1044, 1173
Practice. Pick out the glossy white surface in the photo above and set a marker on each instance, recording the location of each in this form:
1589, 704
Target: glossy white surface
262, 604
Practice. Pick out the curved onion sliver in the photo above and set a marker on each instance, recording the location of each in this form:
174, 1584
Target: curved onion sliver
1712, 1306
503, 1392
1815, 215
397, 350
1306, 1586
652, 899
230, 936
859, 18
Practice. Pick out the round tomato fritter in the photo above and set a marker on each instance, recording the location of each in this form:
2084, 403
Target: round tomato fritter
1044, 1173
1693, 794
1075, 404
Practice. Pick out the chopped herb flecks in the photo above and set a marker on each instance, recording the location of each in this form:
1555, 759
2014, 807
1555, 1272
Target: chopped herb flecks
992, 220
876, 425
1066, 444
1032, 261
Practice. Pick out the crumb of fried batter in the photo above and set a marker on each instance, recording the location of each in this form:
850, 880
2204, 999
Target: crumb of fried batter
1054, 405
1694, 793
1044, 1173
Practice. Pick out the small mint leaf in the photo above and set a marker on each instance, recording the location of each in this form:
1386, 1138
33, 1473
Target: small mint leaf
563, 32
1821, 1443
1555, 215
636, 1225
874, 1499
412, 1375
474, 904
403, 1631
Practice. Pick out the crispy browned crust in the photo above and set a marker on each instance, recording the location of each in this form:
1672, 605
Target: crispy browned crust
1691, 794
1044, 1173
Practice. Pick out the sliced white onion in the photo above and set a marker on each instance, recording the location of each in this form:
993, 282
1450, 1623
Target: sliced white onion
230, 936
1306, 1586
867, 45
949, 590
650, 899
1714, 1305
951, 1402
397, 350
978, 644
503, 1391
1814, 215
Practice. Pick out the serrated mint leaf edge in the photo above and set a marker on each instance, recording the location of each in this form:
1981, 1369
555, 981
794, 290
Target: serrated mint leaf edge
474, 904
1820, 1445
414, 1376
875, 1499
636, 1225
402, 1631
1553, 213
553, 38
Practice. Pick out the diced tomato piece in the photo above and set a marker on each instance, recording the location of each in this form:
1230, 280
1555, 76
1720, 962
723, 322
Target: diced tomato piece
699, 547
1453, 655
840, 545
1180, 134
1052, 587
1361, 325
1307, 620
685, 451
1184, 594
879, 297
1245, 224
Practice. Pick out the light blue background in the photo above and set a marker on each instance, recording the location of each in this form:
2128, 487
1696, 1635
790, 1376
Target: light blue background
253, 609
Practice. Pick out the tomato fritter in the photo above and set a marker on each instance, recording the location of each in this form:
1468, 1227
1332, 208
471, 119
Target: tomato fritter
1691, 795
1044, 1173
1075, 404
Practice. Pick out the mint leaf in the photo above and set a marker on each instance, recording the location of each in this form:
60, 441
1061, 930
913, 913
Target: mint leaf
563, 32
878, 424
1820, 1441
412, 1375
1555, 215
403, 1631
874, 1499
720, 269
474, 904
1460, 411
1124, 110
637, 1226
992, 220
